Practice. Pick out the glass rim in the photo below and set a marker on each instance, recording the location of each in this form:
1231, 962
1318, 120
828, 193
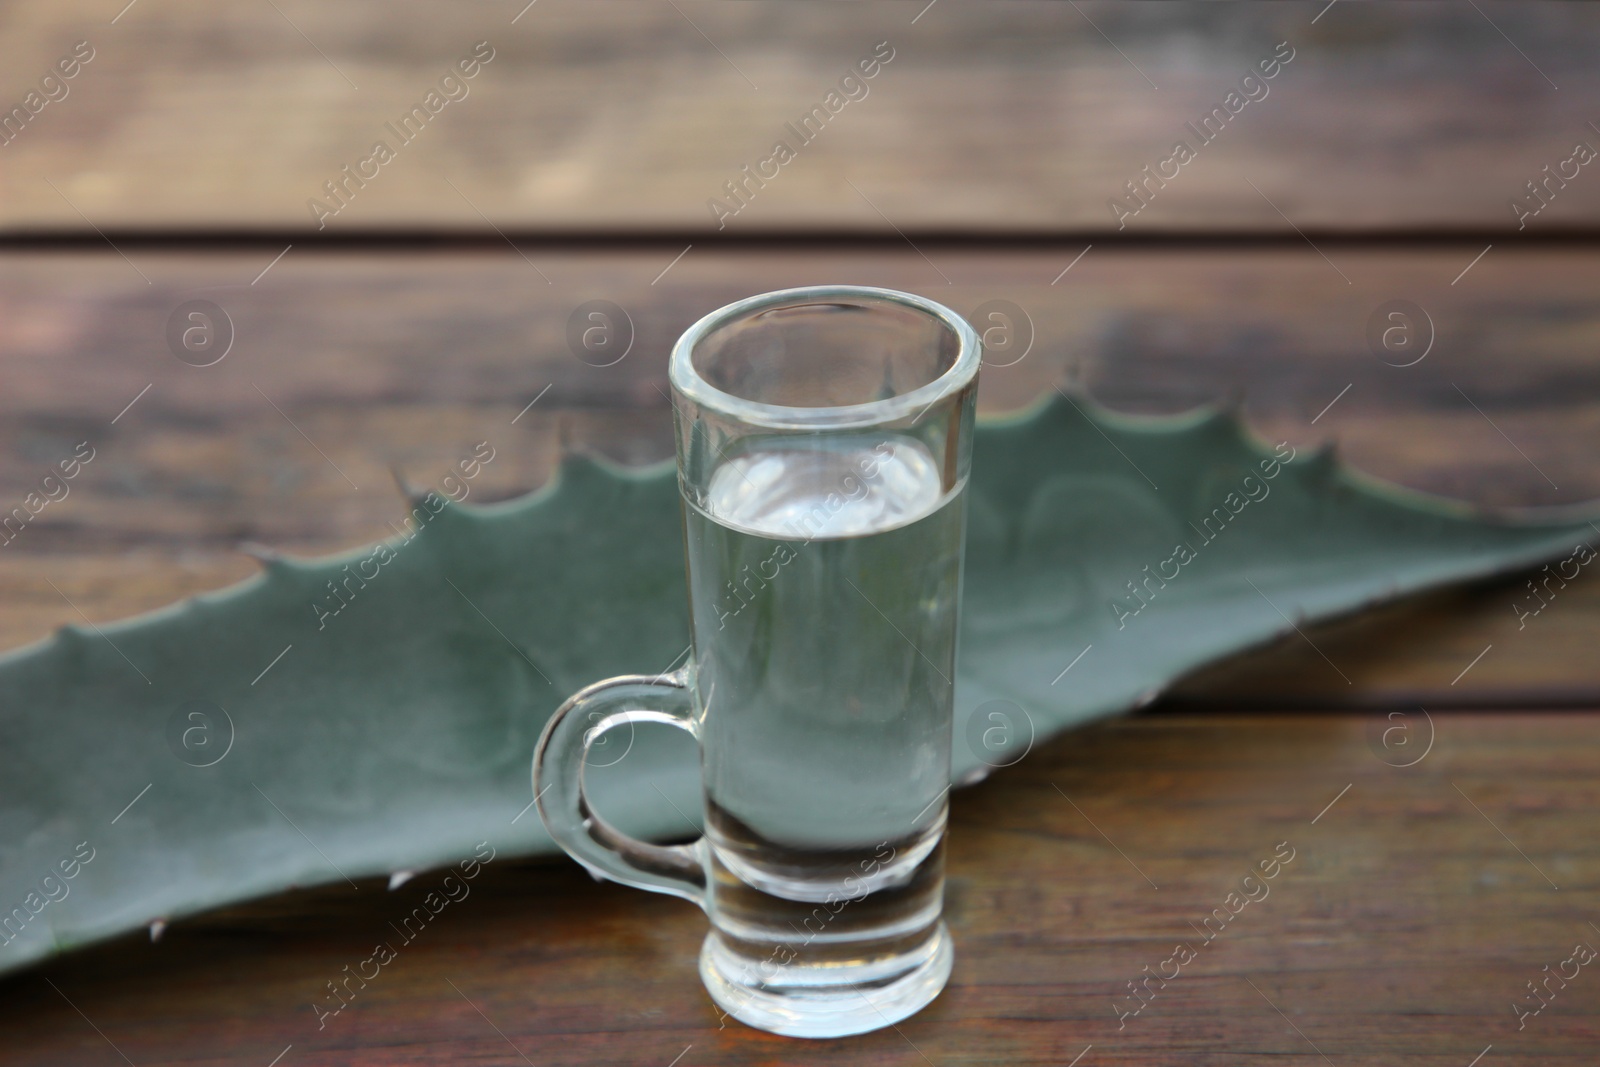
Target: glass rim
686, 380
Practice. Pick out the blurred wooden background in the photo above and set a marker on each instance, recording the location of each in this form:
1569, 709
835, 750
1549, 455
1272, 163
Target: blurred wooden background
432, 310
628, 114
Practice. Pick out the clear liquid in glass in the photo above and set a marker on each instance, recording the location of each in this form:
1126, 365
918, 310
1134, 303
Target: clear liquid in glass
825, 576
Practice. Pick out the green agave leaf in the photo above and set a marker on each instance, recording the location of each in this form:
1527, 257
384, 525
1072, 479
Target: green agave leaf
397, 733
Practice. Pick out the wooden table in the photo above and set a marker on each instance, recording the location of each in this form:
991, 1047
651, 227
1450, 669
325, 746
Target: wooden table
1401, 931
1421, 899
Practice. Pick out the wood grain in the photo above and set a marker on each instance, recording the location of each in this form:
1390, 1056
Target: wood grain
383, 361
1421, 898
629, 114
1401, 931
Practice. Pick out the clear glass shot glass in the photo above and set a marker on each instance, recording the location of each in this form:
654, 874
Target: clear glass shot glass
824, 439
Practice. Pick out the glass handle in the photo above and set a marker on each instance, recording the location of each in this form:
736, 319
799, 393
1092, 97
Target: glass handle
558, 787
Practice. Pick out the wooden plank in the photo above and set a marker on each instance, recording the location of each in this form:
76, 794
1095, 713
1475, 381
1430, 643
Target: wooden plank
629, 114
1417, 904
388, 361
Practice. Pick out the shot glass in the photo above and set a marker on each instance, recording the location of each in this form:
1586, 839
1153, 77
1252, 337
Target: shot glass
823, 440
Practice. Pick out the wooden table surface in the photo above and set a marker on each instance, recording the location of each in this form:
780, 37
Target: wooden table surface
1421, 899
1418, 903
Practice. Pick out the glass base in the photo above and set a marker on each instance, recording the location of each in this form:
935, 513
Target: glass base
832, 1001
